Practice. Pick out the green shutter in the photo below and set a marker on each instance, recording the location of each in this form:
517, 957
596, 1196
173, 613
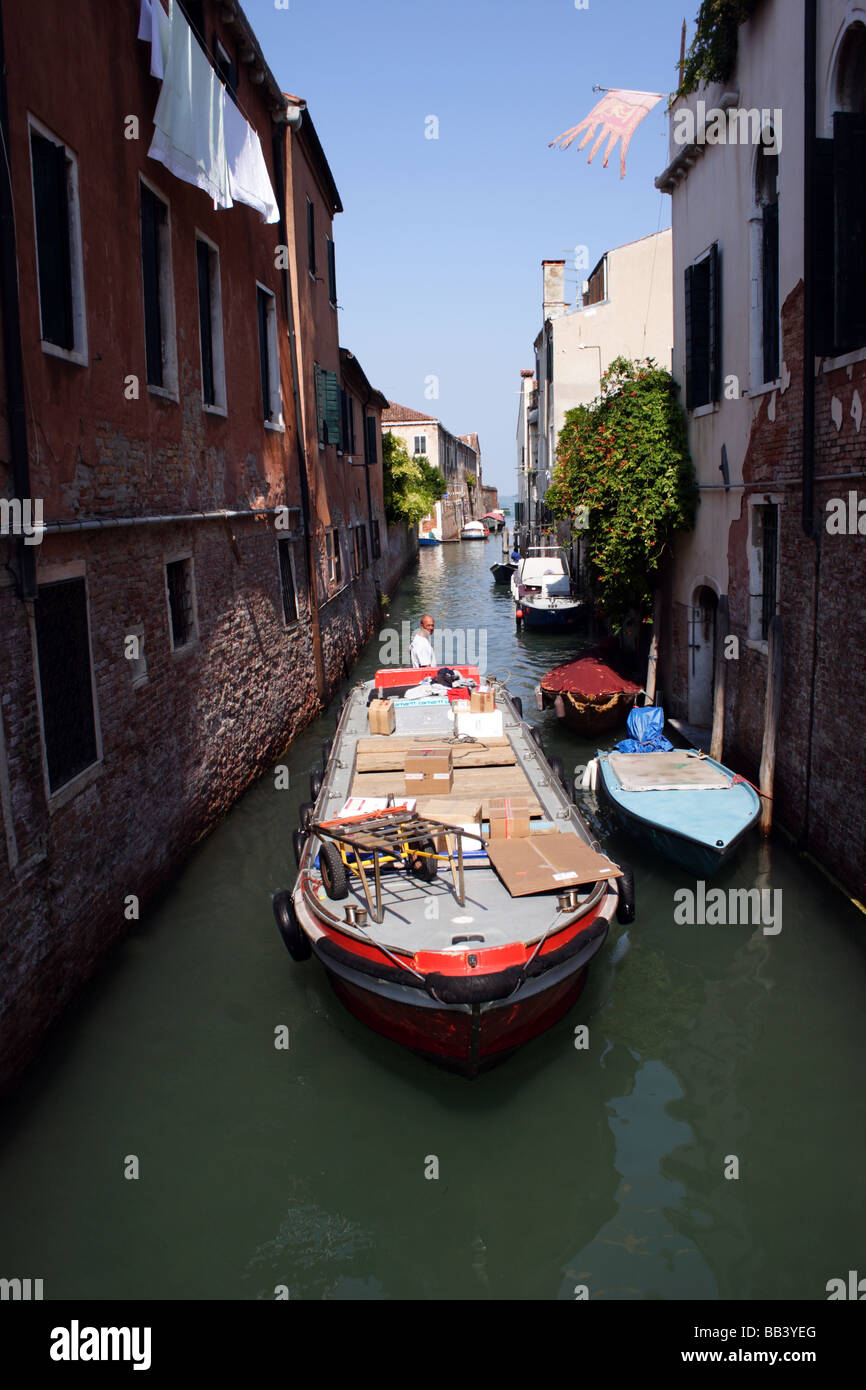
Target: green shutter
332, 408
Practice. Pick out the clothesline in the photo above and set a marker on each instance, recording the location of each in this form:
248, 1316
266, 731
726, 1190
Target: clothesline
200, 134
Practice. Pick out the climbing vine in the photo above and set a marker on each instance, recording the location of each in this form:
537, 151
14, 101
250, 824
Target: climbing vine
411, 486
712, 54
624, 478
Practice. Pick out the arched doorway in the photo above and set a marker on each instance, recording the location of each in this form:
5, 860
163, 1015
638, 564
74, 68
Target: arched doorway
702, 655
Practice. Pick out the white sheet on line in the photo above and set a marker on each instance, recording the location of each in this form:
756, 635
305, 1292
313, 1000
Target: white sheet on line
189, 138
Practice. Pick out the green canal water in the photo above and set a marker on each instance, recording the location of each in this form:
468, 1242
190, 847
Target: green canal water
305, 1168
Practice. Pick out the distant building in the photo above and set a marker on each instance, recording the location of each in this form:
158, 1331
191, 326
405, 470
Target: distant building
626, 311
456, 456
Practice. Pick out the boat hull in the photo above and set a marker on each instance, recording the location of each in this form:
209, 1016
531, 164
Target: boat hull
698, 857
502, 572
470, 1037
551, 619
594, 715
429, 540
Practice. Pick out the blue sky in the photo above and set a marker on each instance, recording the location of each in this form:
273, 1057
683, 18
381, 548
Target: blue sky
440, 246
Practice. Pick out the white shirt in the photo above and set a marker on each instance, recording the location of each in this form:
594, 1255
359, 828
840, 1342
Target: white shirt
421, 650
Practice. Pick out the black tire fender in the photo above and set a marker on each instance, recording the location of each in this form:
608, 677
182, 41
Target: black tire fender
315, 783
299, 839
626, 909
333, 871
305, 814
518, 704
295, 940
557, 767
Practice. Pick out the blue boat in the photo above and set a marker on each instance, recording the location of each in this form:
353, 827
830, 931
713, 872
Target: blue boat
678, 802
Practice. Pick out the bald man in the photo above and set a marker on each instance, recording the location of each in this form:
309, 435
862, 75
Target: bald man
421, 648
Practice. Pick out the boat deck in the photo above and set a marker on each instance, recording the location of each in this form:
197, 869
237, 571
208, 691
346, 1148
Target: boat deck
427, 916
714, 813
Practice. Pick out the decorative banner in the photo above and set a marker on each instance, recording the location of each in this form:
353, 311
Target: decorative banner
619, 114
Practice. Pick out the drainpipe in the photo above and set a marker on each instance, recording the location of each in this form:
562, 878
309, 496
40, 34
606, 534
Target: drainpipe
280, 140
14, 370
810, 44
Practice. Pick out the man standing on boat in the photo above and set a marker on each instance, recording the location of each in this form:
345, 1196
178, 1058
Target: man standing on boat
421, 647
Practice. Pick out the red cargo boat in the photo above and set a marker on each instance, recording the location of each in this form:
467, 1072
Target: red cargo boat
424, 937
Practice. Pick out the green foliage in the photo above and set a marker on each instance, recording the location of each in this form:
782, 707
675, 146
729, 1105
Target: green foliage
625, 458
712, 55
411, 485
470, 479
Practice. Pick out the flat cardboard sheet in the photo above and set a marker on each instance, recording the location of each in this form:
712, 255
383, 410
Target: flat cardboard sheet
538, 864
665, 772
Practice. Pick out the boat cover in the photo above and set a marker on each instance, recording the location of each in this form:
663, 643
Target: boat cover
590, 676
645, 726
665, 772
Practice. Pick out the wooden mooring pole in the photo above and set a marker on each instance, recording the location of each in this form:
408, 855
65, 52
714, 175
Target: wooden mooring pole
652, 663
772, 709
717, 746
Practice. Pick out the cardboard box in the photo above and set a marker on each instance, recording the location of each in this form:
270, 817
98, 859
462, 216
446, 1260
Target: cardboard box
478, 725
429, 772
383, 716
508, 817
543, 863
482, 701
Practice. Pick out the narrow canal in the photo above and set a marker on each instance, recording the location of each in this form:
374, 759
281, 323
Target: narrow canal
305, 1167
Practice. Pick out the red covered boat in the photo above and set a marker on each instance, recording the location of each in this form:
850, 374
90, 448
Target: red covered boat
455, 943
590, 694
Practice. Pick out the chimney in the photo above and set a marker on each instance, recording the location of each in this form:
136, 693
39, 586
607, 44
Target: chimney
553, 273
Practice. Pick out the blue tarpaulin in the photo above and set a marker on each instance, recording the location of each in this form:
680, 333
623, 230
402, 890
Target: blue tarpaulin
645, 726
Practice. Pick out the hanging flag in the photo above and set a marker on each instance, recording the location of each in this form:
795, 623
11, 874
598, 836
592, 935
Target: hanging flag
619, 114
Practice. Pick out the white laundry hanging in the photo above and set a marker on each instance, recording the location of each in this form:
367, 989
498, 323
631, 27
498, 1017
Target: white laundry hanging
189, 138
200, 134
249, 181
157, 39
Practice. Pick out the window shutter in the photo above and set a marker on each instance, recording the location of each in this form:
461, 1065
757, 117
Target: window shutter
311, 237
370, 453
332, 408
264, 354
332, 273
824, 250
52, 240
849, 141
690, 371
770, 289
152, 217
714, 326
202, 255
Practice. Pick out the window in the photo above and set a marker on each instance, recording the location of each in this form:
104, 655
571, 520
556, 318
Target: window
763, 566
59, 260
159, 337
839, 207
347, 422
194, 11
596, 285
335, 567
65, 680
226, 70
420, 444
287, 582
703, 330
328, 406
374, 540
371, 434
213, 376
269, 364
769, 202
181, 602
332, 274
311, 238
362, 559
